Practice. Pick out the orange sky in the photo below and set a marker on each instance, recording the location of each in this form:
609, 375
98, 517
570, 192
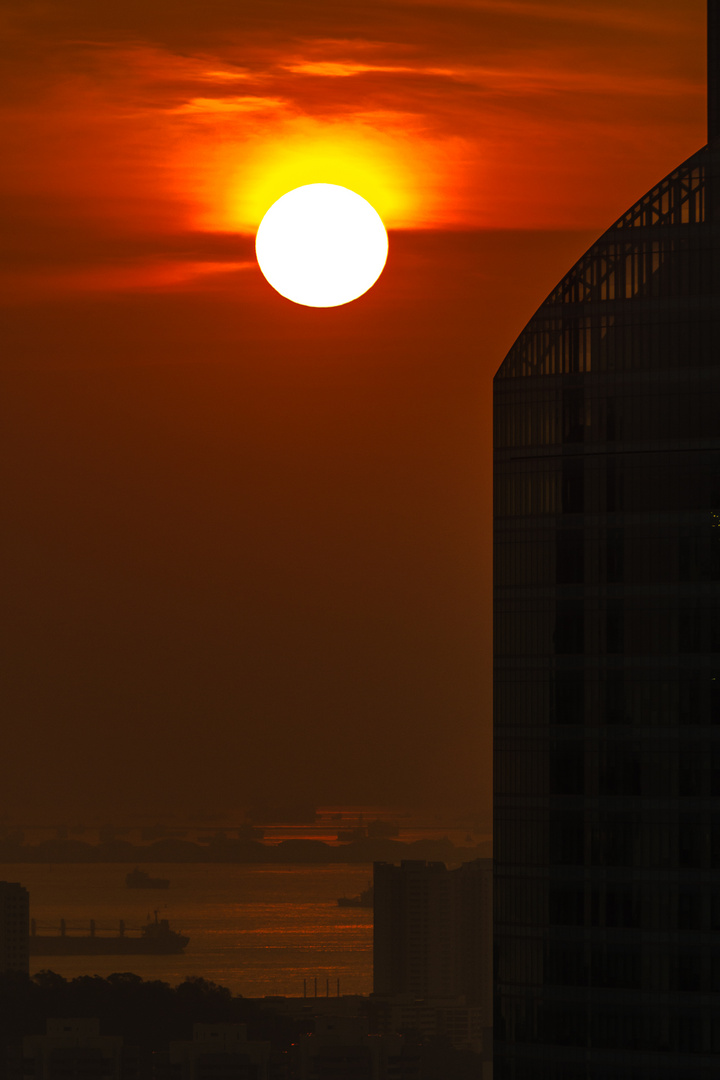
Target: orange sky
141, 120
242, 518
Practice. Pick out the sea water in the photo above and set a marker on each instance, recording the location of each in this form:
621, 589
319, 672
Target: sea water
259, 930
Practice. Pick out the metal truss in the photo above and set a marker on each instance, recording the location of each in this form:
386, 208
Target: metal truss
622, 265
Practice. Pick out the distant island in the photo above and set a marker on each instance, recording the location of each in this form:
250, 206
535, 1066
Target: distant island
221, 849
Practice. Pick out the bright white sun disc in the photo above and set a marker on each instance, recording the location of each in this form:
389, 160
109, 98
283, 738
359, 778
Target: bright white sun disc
321, 245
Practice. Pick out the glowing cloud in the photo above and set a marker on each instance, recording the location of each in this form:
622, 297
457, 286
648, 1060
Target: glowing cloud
401, 172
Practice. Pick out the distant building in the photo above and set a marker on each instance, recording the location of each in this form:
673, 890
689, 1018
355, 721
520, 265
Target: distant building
473, 886
14, 927
340, 1048
216, 1052
431, 1018
432, 946
345, 1038
433, 930
414, 928
72, 1049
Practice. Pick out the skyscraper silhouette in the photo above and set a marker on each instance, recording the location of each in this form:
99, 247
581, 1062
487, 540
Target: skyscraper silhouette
432, 931
607, 651
14, 927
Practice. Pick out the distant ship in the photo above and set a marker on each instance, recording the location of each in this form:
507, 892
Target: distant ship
139, 879
365, 899
156, 938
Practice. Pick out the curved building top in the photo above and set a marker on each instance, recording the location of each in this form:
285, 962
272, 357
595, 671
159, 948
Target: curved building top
638, 271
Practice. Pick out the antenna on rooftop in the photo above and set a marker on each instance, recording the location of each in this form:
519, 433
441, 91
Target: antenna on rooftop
713, 68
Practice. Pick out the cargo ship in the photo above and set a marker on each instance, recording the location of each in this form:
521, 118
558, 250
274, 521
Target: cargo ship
139, 879
365, 899
155, 938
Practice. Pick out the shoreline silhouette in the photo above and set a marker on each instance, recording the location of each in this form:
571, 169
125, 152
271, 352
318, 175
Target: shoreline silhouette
170, 850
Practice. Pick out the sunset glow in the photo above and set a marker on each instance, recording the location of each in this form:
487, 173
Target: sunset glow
404, 175
246, 530
470, 116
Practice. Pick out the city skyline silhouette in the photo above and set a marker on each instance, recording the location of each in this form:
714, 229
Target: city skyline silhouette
248, 562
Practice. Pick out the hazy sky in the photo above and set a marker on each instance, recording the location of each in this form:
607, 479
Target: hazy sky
247, 544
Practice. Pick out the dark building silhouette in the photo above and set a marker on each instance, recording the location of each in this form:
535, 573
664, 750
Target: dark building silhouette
14, 927
413, 930
607, 651
432, 935
217, 1052
72, 1049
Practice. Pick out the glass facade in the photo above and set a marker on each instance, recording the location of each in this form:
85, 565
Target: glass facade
607, 656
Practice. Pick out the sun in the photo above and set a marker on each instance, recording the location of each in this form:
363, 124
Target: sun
321, 245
